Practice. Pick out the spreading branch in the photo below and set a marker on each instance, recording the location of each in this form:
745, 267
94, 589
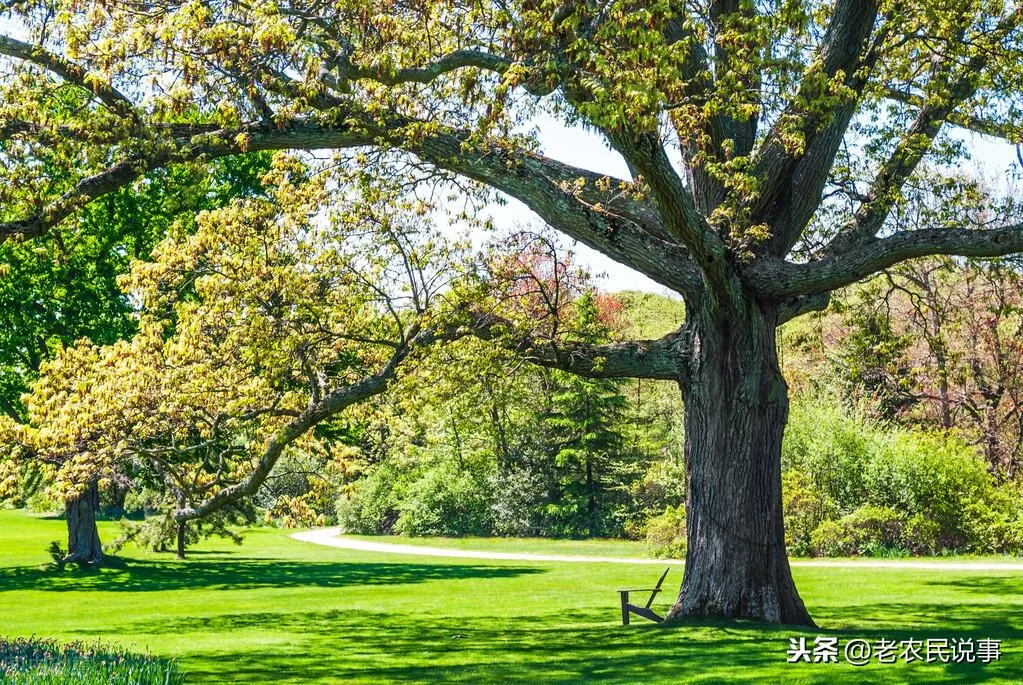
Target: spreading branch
69, 71
777, 278
792, 178
611, 224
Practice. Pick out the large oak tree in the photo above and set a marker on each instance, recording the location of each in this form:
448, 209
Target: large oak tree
768, 143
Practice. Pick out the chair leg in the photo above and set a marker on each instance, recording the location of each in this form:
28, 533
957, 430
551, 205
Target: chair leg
625, 606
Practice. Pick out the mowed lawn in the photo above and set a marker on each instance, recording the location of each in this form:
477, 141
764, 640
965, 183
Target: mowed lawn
276, 610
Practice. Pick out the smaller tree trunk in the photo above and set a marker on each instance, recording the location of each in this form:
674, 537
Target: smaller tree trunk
181, 540
83, 543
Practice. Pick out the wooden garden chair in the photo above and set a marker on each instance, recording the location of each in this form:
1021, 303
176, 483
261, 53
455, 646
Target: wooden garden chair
645, 611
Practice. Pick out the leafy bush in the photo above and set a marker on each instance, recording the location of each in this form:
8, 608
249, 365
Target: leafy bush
663, 485
371, 507
830, 446
806, 507
46, 662
934, 476
997, 524
519, 495
446, 500
841, 470
868, 531
666, 534
433, 495
920, 536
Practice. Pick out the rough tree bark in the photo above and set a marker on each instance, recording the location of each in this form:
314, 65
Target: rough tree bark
736, 408
181, 535
83, 543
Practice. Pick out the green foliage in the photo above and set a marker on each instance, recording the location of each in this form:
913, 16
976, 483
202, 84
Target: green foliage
867, 531
31, 661
425, 496
371, 507
666, 534
446, 500
830, 446
584, 419
57, 553
519, 496
553, 454
806, 507
874, 356
852, 486
57, 290
933, 476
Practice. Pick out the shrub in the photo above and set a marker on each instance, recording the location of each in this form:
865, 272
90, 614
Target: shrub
430, 494
666, 534
662, 485
933, 476
868, 531
830, 539
371, 507
519, 497
806, 507
920, 536
46, 662
830, 446
836, 463
997, 524
446, 500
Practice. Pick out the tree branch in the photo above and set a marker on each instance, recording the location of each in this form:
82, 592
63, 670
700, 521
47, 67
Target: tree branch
949, 93
328, 406
793, 179
70, 72
659, 359
777, 278
610, 224
645, 152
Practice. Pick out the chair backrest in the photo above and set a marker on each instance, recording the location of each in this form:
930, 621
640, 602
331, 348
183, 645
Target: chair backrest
657, 588
663, 576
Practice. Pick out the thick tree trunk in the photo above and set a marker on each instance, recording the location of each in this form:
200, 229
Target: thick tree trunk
736, 407
83, 543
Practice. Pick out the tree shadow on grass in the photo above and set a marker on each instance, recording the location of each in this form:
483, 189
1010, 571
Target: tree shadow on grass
584, 646
241, 574
1009, 585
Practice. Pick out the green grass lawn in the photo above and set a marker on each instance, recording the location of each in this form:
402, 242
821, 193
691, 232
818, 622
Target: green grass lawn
278, 610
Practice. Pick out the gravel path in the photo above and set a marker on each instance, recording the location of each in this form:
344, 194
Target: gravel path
331, 537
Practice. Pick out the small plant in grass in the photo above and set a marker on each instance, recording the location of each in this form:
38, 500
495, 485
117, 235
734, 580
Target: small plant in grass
31, 661
58, 554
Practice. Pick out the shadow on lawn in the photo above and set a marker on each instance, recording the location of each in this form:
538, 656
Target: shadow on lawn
240, 574
344, 646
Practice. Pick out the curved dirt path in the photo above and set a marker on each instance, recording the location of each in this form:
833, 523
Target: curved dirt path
331, 537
